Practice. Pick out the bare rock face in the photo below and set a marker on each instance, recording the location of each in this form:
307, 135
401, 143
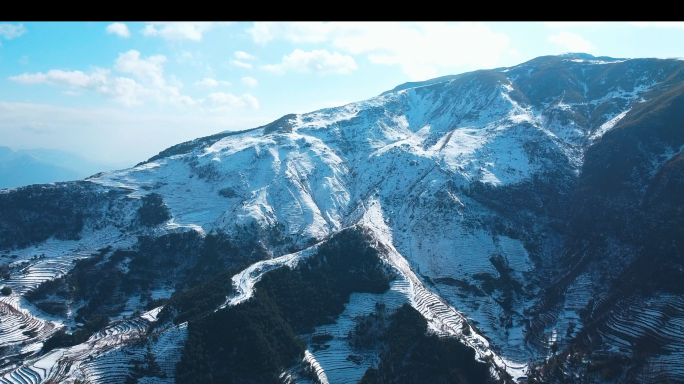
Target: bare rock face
532, 215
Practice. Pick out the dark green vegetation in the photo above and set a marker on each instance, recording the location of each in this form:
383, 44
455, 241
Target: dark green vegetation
317, 290
197, 300
249, 343
621, 197
227, 192
198, 267
625, 192
4, 270
369, 331
319, 341
34, 213
83, 282
283, 125
95, 280
63, 339
255, 341
504, 283
153, 210
629, 199
592, 369
462, 284
410, 355
148, 367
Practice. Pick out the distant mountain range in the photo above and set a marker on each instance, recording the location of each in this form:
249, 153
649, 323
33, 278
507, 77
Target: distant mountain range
40, 166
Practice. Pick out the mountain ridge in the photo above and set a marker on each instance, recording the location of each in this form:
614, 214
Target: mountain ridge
491, 194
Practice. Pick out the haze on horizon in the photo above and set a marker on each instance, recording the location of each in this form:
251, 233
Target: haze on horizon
122, 92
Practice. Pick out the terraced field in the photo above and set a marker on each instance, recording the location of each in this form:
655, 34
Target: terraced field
654, 324
106, 357
115, 365
18, 325
30, 277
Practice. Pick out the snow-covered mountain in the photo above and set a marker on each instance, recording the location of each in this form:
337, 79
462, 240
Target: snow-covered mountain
529, 212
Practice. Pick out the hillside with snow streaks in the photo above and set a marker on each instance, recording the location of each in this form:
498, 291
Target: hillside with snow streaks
469, 186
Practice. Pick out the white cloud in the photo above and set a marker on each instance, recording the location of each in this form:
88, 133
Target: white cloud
186, 57
71, 93
150, 69
207, 82
211, 82
112, 135
299, 32
122, 90
11, 31
223, 100
38, 128
175, 82
176, 31
241, 64
317, 61
420, 49
244, 55
250, 81
659, 24
73, 79
119, 29
572, 42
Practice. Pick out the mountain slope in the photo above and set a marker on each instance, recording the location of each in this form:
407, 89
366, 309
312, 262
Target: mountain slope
518, 208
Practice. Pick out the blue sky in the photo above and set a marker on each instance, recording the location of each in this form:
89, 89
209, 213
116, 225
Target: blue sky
121, 92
